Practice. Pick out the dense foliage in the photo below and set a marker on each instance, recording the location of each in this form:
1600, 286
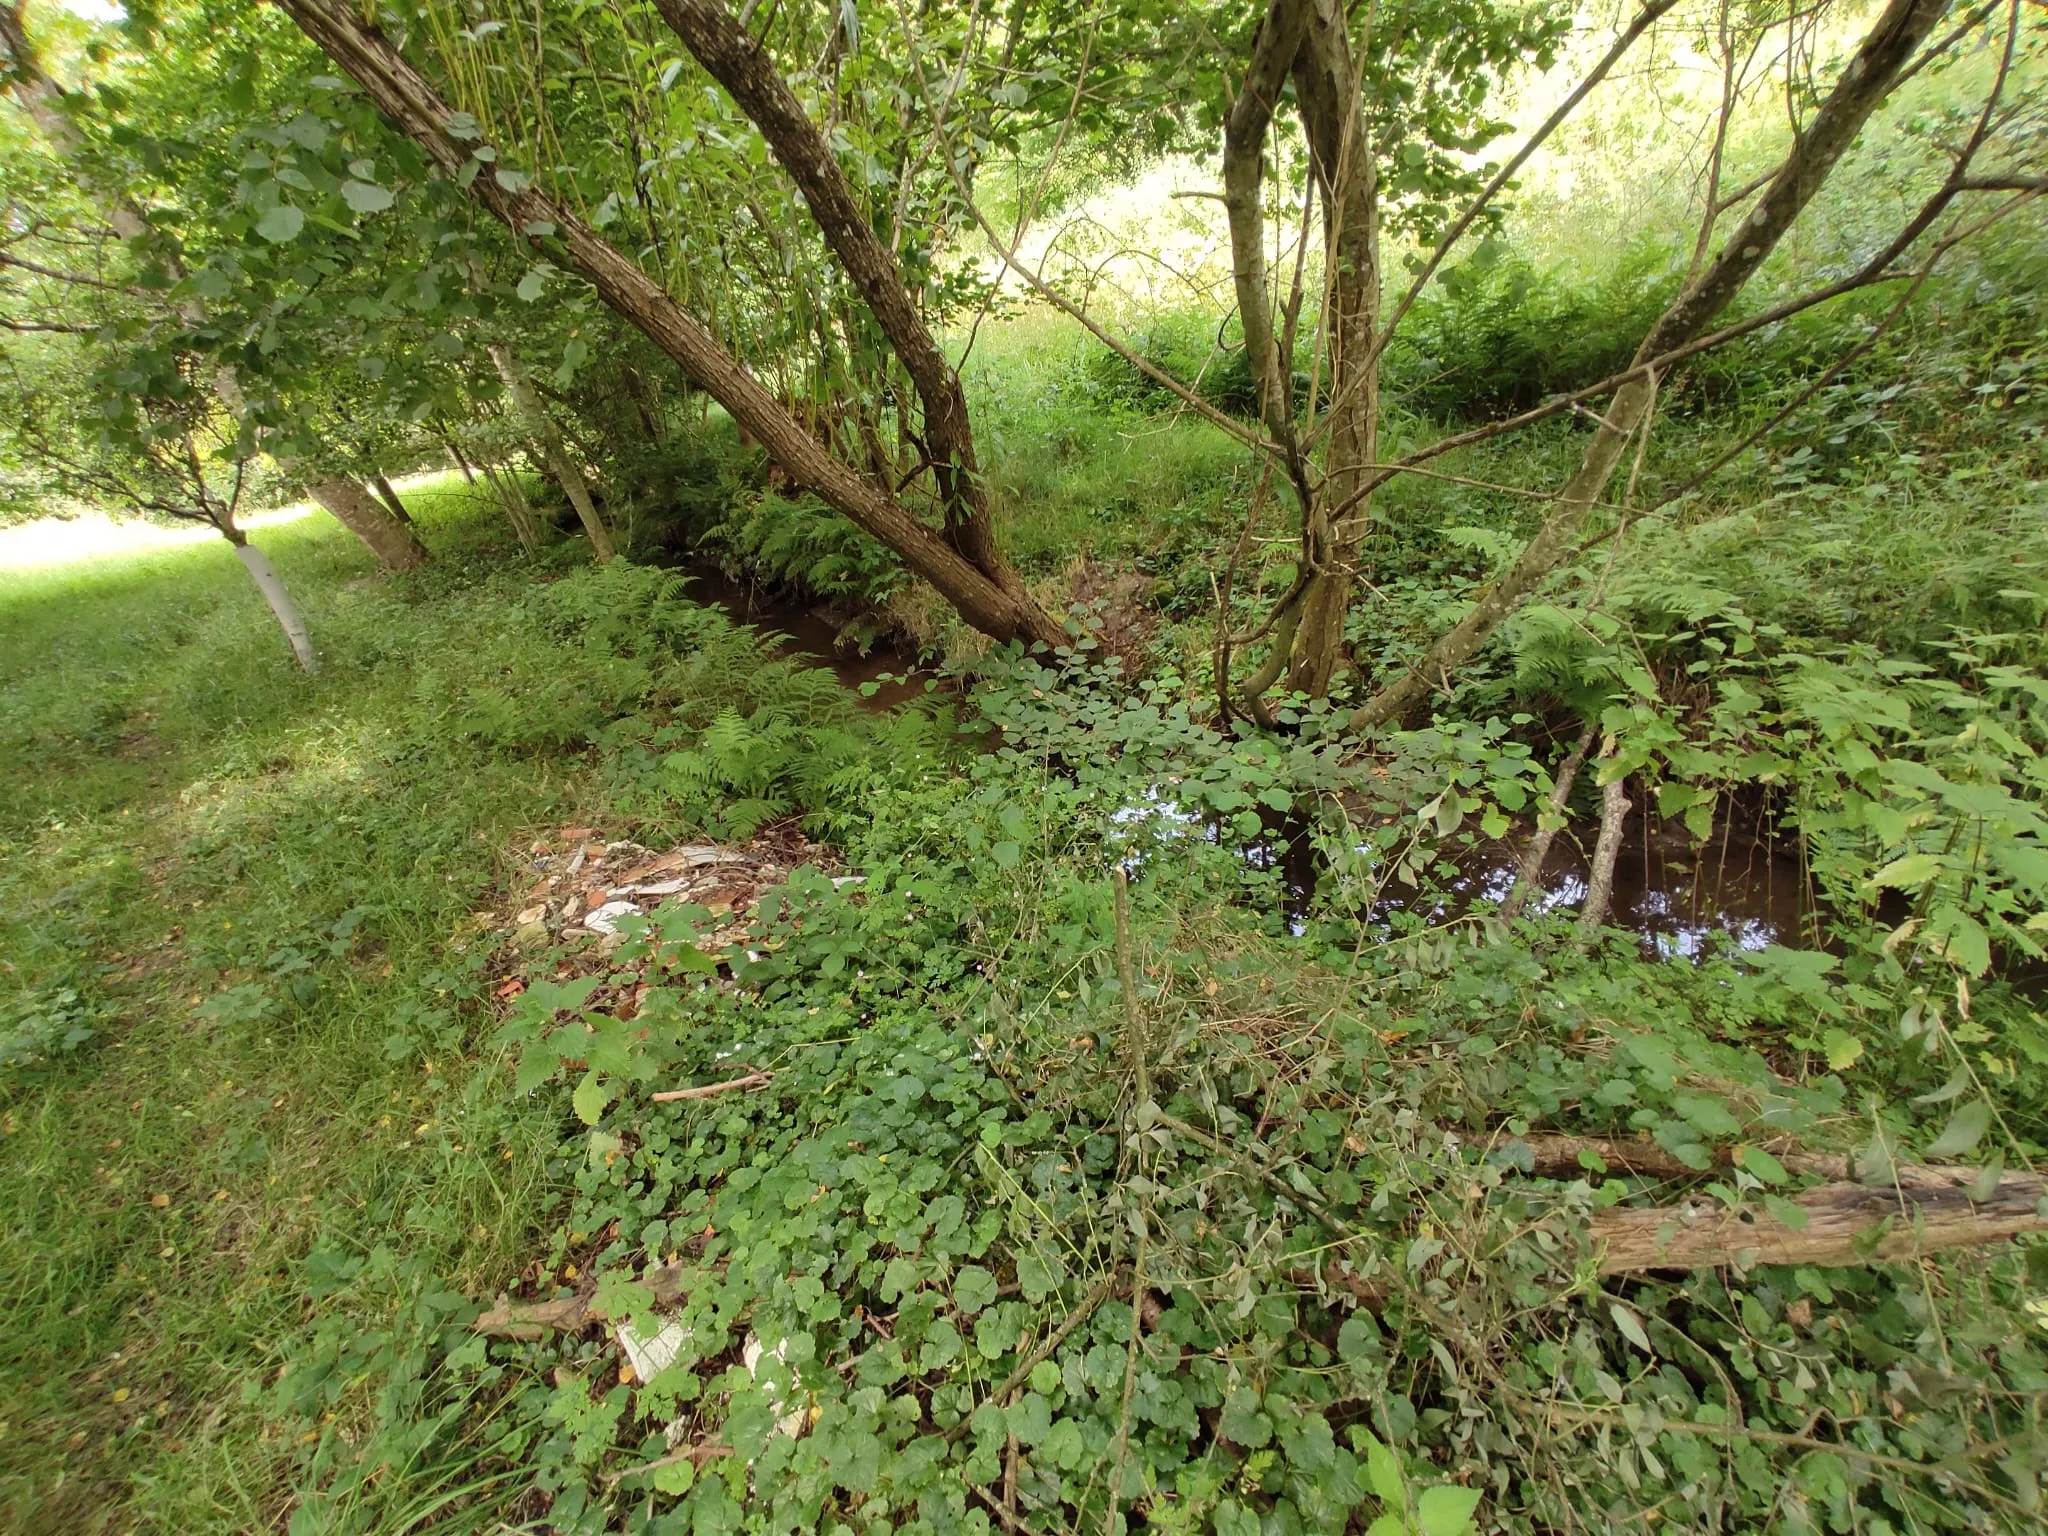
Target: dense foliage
1159, 1110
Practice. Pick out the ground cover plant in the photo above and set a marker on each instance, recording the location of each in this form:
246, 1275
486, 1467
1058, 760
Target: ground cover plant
1369, 522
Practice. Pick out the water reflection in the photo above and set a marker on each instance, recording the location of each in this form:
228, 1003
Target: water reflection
1683, 902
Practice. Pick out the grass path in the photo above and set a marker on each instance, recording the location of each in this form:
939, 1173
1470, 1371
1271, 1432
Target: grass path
250, 889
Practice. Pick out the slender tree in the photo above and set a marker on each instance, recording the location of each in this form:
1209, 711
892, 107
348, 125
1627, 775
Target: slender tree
960, 559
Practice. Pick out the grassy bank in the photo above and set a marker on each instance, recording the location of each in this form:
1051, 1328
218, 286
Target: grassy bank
236, 1001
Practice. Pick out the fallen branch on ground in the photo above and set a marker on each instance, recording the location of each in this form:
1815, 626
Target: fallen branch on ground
1843, 1225
510, 1319
709, 1090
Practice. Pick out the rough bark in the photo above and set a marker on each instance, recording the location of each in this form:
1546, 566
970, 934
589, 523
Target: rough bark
540, 427
999, 609
742, 67
1333, 113
1244, 171
395, 545
388, 494
1531, 871
1845, 1225
272, 586
1864, 84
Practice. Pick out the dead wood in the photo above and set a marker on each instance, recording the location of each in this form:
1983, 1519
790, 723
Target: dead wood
1844, 1225
711, 1090
510, 1319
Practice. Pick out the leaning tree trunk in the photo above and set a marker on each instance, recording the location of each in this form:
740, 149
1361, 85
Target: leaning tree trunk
548, 442
272, 586
395, 545
992, 600
737, 62
1863, 86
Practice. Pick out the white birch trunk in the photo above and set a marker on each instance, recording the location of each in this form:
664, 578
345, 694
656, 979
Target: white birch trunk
271, 585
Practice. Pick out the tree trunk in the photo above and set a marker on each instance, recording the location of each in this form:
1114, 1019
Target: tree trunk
541, 428
388, 494
455, 457
1244, 170
738, 63
1839, 1225
395, 545
1531, 872
1614, 809
1864, 84
998, 608
1332, 111
271, 585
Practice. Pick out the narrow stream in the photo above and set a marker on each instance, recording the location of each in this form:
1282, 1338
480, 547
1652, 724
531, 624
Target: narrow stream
1682, 901
809, 635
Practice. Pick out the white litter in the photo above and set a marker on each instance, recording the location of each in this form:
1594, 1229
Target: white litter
651, 1355
606, 918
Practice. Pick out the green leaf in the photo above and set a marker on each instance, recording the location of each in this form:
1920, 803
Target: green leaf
1907, 873
1755, 1160
1036, 1278
973, 1288
1631, 1326
1383, 1470
1988, 1177
1244, 1422
1957, 1085
1706, 1113
1357, 1338
1843, 1049
1006, 855
1961, 939
534, 284
675, 1477
281, 224
1965, 1128
1446, 1510
590, 1098
365, 197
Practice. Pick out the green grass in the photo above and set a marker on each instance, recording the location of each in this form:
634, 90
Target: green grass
251, 886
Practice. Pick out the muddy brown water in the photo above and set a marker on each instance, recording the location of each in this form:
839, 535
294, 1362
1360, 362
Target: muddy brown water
810, 634
1681, 900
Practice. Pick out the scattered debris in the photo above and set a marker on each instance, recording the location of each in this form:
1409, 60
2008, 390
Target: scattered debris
578, 885
509, 1319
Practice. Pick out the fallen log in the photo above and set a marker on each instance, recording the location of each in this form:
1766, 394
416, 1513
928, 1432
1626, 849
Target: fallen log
1844, 1225
1559, 1157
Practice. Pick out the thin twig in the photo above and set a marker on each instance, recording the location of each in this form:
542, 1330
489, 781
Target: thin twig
1095, 1298
711, 1090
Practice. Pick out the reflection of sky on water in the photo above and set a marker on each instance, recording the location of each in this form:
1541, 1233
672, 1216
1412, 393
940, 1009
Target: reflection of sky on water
1742, 898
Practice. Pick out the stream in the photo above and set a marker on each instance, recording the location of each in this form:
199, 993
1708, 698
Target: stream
1682, 901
